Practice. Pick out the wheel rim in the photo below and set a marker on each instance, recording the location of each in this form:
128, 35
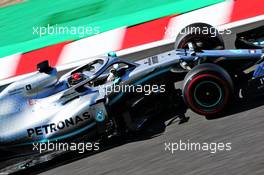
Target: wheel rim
208, 94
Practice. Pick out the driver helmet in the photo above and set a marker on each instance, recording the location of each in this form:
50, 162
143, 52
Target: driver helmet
76, 78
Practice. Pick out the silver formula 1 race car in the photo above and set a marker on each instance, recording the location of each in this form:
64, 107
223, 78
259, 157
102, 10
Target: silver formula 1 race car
110, 95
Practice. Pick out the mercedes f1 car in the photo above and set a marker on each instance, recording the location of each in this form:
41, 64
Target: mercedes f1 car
111, 93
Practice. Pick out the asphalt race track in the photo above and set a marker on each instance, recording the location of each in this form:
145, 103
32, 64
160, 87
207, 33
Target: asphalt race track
242, 126
244, 129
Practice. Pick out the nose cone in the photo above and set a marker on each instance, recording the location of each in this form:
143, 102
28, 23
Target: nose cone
13, 138
11, 120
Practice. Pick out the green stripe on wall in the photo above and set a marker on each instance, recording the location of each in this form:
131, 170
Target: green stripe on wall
16, 22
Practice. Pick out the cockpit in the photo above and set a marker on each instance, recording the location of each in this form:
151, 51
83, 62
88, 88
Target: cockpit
99, 71
86, 72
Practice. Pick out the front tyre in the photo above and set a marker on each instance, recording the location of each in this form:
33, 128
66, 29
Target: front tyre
207, 89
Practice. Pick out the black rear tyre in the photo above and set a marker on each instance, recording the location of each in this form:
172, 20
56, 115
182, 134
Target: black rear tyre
198, 36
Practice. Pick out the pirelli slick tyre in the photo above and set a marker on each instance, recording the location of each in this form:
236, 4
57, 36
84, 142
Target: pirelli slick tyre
195, 34
207, 89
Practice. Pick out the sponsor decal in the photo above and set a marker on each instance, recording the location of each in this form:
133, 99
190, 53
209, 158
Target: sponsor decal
100, 117
28, 87
237, 51
252, 51
152, 60
16, 91
54, 127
